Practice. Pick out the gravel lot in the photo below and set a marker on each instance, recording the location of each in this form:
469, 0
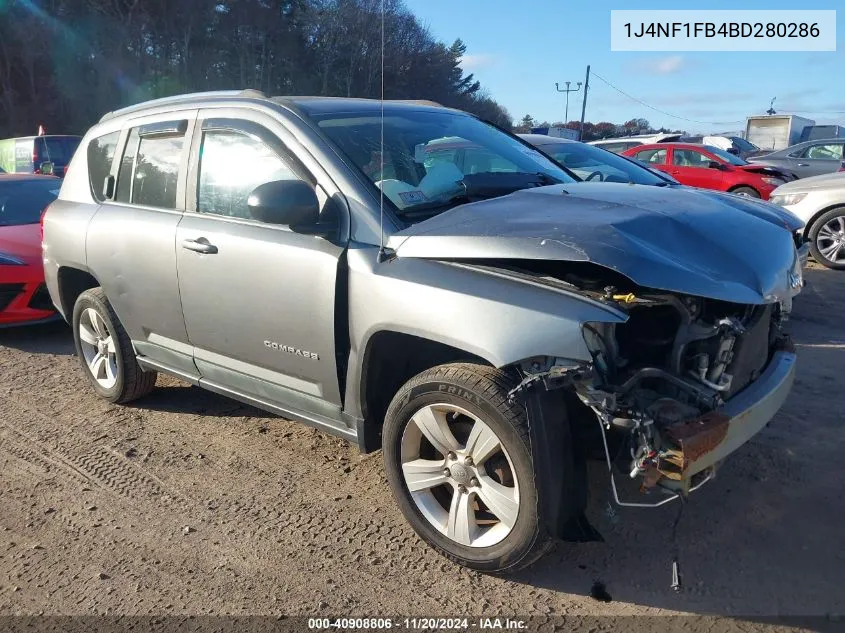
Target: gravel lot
189, 503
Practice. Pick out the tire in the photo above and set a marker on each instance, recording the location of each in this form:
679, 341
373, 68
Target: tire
472, 393
824, 232
748, 192
119, 378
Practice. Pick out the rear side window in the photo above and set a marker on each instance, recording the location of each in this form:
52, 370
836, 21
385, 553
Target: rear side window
824, 152
157, 171
57, 149
149, 170
100, 156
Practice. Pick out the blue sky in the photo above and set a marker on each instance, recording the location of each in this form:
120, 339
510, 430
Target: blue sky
520, 49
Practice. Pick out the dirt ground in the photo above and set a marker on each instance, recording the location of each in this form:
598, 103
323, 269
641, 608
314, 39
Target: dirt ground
190, 503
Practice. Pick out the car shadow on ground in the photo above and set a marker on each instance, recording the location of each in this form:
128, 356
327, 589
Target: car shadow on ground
46, 338
173, 396
772, 516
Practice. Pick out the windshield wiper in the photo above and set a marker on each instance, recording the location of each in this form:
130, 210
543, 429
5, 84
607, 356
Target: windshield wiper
480, 186
435, 205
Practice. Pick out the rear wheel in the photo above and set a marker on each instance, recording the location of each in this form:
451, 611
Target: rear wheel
458, 459
106, 353
746, 192
827, 239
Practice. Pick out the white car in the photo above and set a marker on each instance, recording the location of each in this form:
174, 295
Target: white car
820, 202
620, 144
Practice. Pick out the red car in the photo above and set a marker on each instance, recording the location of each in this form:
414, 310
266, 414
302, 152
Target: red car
23, 295
711, 168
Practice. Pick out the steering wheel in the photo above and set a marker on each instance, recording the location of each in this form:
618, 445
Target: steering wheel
594, 175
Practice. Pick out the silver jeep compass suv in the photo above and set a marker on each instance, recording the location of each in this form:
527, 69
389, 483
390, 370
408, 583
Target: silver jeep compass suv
447, 294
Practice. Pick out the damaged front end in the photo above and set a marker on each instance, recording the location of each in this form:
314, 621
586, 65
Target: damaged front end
681, 384
694, 361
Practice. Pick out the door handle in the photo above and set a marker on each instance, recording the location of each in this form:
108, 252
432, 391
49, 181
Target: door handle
199, 245
803, 164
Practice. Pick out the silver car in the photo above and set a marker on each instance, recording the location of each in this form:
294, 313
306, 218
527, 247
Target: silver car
820, 203
448, 295
811, 158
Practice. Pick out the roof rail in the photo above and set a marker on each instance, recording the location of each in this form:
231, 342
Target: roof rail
193, 96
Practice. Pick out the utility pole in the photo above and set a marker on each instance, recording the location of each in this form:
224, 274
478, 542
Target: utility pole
584, 104
567, 91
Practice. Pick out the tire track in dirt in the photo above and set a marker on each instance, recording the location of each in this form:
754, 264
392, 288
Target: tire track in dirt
309, 534
290, 520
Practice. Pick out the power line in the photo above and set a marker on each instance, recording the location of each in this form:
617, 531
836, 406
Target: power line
813, 111
663, 112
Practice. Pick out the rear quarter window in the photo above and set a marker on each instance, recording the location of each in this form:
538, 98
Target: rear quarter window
100, 156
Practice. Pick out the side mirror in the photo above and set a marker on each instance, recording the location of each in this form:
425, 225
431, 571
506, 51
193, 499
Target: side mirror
733, 150
287, 202
47, 168
714, 164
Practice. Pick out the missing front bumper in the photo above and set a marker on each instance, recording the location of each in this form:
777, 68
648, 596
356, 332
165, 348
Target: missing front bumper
702, 442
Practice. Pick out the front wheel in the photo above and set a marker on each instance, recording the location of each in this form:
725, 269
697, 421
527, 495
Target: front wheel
105, 350
458, 460
827, 239
745, 192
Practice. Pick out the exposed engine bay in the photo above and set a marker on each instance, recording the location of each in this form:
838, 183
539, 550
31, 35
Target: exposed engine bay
660, 377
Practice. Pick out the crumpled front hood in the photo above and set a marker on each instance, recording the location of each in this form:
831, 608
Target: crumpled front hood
675, 239
764, 170
763, 210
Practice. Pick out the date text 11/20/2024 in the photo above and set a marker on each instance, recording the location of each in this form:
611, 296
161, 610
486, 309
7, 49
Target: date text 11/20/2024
415, 624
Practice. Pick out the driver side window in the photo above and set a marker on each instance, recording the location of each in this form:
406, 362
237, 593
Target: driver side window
654, 156
232, 164
689, 158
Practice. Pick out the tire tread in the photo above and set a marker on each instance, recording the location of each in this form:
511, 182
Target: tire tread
136, 382
493, 385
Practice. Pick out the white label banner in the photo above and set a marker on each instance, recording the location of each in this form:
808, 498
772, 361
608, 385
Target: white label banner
711, 30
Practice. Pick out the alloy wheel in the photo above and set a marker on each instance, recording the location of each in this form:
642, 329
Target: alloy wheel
830, 240
459, 475
98, 348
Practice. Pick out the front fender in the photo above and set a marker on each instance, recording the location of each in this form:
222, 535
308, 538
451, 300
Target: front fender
494, 316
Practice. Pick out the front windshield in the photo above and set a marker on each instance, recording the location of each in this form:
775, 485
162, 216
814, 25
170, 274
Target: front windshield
434, 160
598, 165
726, 156
22, 201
